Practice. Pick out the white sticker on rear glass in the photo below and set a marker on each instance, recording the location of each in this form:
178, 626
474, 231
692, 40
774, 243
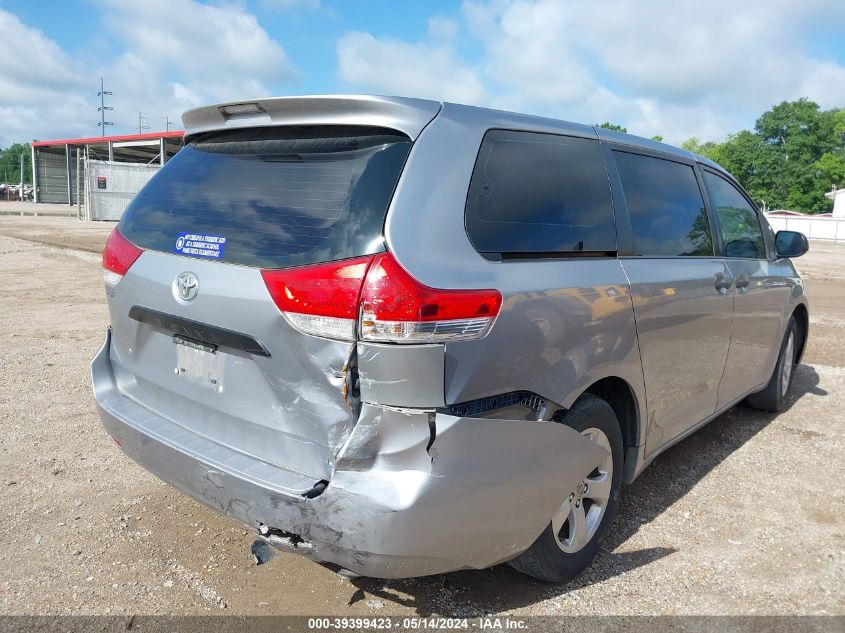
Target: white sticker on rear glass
196, 245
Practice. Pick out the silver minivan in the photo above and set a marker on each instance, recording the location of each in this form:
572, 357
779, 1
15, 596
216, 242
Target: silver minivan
408, 337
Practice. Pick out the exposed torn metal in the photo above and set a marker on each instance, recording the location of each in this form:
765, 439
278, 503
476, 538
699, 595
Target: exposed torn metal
287, 541
351, 390
432, 430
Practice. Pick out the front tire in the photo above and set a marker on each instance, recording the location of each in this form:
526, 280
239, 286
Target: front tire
581, 524
773, 397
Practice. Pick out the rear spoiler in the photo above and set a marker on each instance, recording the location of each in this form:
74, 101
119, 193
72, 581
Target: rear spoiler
406, 115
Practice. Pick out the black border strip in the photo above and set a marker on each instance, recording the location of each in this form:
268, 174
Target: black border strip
199, 331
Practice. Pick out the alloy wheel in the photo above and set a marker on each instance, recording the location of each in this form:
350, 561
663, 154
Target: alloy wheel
580, 515
788, 363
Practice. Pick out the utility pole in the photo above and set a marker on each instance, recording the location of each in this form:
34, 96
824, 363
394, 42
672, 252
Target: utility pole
141, 126
103, 107
168, 123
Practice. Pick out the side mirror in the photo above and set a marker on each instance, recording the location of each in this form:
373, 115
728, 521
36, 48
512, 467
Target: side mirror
791, 244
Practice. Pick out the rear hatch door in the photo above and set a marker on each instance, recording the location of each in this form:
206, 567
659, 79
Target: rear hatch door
197, 338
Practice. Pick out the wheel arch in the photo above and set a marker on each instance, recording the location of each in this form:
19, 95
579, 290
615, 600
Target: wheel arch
802, 319
619, 394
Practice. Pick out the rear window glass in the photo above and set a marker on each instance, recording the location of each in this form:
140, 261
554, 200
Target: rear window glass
667, 211
272, 197
539, 193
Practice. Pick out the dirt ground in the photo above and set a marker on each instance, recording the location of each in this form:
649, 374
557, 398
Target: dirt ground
747, 516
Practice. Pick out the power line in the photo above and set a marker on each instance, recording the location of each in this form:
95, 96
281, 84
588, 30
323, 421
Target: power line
103, 107
141, 126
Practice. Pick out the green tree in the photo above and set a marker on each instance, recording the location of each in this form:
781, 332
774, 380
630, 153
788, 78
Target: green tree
798, 134
657, 137
754, 164
791, 158
831, 168
839, 124
612, 126
695, 145
10, 164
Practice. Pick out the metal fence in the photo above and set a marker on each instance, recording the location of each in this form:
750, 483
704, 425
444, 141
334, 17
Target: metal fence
111, 186
825, 228
51, 177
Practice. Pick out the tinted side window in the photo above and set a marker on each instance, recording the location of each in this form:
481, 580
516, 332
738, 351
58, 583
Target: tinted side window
667, 211
738, 222
536, 193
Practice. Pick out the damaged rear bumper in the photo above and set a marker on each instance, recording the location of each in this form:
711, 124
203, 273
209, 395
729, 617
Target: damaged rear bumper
413, 493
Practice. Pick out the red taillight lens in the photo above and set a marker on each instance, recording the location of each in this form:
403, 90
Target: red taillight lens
396, 307
118, 256
321, 299
326, 299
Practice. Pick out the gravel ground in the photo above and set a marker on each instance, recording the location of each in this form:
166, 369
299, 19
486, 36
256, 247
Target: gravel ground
747, 516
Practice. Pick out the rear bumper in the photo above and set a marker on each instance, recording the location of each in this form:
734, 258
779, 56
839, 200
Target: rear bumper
398, 504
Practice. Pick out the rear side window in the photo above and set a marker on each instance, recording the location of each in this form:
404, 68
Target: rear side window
539, 193
738, 221
272, 197
667, 211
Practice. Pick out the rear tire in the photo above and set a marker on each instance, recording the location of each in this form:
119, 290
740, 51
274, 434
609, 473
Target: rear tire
571, 540
773, 397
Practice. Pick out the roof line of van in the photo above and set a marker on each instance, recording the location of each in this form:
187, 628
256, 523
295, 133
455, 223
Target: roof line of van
405, 114
409, 116
622, 138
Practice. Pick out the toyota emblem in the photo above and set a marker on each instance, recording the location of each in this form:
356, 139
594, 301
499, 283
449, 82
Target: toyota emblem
187, 286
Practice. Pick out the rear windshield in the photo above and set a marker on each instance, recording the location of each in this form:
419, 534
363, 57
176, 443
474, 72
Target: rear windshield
271, 197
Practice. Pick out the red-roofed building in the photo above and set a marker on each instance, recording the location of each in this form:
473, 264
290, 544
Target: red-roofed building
56, 163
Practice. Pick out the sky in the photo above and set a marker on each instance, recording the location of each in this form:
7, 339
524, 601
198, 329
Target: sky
676, 68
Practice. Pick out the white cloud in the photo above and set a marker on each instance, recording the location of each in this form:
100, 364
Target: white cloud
410, 69
529, 50
177, 54
681, 52
442, 29
208, 53
37, 90
672, 67
287, 5
826, 83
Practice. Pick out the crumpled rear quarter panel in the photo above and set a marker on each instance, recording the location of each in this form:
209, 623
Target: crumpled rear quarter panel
398, 504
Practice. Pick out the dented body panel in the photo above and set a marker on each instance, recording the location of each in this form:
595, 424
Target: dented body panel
291, 407
412, 493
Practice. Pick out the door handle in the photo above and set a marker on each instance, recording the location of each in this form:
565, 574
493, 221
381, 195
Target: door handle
722, 283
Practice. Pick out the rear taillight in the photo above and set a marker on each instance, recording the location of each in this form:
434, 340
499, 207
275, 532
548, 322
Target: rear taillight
397, 308
375, 296
321, 299
118, 255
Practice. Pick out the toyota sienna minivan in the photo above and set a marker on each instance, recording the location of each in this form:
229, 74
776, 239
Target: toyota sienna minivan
408, 337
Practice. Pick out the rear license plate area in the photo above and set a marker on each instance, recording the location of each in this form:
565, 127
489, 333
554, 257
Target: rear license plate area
199, 363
